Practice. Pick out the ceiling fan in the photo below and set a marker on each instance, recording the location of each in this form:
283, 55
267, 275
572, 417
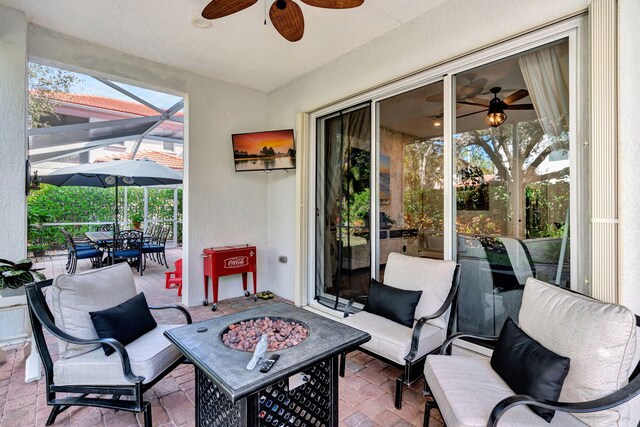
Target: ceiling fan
496, 115
285, 15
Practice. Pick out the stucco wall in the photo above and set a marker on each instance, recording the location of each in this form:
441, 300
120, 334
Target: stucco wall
456, 27
13, 134
629, 152
223, 207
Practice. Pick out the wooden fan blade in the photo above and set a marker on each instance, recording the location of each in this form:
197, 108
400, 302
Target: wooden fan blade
438, 97
518, 95
519, 107
334, 4
288, 21
471, 114
220, 8
477, 104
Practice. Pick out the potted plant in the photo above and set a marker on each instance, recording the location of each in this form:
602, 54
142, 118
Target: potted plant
136, 220
14, 275
38, 250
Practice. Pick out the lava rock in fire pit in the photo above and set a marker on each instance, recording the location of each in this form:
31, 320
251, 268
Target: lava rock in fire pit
282, 334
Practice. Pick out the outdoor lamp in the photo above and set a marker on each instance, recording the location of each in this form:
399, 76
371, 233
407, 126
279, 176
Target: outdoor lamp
496, 115
110, 180
127, 180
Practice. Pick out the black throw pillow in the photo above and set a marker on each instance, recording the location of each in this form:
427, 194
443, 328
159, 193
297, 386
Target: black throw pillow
392, 303
528, 367
125, 322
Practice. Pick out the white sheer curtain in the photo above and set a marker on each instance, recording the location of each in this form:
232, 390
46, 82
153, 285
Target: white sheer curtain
546, 74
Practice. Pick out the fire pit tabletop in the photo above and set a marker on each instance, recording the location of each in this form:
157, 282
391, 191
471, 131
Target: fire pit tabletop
226, 367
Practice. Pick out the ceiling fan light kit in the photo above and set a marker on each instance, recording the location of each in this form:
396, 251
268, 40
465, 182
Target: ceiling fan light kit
496, 116
286, 16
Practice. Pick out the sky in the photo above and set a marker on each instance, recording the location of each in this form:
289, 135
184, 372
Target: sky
89, 86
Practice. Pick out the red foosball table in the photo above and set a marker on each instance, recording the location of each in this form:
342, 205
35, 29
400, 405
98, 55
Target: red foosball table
225, 261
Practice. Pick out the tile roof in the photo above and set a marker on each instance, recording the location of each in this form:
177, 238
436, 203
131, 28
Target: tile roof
105, 103
169, 160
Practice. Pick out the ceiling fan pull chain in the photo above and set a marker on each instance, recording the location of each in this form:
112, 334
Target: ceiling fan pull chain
265, 12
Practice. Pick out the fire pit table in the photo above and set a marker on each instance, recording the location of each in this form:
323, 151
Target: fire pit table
300, 390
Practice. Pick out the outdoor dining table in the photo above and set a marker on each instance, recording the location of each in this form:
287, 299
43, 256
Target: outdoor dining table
99, 236
105, 238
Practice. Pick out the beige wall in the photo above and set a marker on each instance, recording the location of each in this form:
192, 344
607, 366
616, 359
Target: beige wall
13, 134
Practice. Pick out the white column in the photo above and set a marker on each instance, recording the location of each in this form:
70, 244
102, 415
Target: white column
13, 133
629, 152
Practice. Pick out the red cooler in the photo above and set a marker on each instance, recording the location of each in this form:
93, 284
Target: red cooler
225, 261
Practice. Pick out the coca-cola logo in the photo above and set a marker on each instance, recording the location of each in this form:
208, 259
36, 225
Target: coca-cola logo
236, 262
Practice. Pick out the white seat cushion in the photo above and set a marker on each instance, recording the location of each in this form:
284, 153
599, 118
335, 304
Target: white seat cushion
73, 296
431, 276
150, 354
599, 338
393, 340
467, 389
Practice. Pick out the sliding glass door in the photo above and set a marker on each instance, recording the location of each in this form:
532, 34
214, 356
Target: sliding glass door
513, 182
343, 194
411, 174
476, 167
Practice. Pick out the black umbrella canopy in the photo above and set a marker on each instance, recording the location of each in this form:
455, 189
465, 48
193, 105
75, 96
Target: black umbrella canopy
141, 173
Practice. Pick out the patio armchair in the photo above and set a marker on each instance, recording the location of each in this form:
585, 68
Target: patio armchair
596, 386
407, 345
157, 249
127, 245
84, 375
78, 251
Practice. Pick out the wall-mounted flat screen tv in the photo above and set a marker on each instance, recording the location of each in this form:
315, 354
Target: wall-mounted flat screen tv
260, 151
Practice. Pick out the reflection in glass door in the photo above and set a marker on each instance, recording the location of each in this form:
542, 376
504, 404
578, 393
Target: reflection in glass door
511, 144
411, 174
343, 194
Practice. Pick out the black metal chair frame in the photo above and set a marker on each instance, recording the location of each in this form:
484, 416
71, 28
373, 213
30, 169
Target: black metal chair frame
413, 369
160, 240
72, 257
41, 316
105, 227
631, 390
129, 240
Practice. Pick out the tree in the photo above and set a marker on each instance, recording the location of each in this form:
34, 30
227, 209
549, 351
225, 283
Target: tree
515, 152
44, 82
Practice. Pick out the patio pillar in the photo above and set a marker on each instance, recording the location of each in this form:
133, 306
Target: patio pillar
13, 133
629, 152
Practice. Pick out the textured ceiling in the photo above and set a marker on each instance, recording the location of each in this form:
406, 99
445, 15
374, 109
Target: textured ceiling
238, 48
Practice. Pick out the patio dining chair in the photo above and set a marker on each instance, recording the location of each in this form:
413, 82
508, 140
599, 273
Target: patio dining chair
83, 375
409, 316
127, 245
78, 251
157, 250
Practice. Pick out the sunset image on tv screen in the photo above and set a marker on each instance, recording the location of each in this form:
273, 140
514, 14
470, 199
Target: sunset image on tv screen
264, 150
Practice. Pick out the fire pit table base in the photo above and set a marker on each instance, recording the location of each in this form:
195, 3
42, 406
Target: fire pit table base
314, 403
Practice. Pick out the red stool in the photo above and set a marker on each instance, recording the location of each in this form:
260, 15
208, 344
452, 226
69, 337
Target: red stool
177, 277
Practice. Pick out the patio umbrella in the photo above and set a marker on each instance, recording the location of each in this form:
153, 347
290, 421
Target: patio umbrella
141, 173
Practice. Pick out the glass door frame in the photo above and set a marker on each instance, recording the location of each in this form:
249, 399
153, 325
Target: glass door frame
573, 29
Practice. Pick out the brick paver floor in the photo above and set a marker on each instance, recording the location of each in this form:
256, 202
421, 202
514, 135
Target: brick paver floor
366, 392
